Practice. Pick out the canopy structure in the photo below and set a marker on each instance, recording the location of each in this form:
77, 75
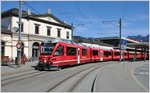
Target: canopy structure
143, 46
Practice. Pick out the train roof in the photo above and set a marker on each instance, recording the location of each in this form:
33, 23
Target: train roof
64, 41
98, 46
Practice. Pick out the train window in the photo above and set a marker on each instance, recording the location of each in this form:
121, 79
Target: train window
71, 51
59, 51
84, 52
106, 53
117, 53
125, 54
95, 52
47, 48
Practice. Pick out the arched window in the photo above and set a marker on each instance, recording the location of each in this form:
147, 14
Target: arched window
2, 48
35, 50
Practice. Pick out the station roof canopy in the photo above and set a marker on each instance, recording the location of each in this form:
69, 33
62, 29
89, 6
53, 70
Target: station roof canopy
117, 38
139, 45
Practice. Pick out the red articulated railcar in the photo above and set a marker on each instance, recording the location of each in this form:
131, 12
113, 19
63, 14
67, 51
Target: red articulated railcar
57, 54
101, 53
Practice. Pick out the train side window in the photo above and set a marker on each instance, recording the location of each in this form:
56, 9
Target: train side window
59, 51
84, 52
95, 52
125, 54
117, 53
71, 51
107, 53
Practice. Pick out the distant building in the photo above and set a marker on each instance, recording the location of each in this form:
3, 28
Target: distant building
35, 28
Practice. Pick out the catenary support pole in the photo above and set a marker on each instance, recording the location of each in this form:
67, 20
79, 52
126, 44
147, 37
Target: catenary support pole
120, 37
19, 36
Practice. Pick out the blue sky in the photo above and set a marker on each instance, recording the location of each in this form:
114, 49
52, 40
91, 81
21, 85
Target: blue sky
88, 16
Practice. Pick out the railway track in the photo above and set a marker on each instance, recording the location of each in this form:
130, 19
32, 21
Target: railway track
20, 77
51, 81
86, 72
8, 74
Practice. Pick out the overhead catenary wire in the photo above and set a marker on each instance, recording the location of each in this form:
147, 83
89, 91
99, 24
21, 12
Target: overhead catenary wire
31, 7
112, 22
85, 17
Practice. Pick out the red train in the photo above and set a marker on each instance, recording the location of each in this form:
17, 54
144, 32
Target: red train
57, 53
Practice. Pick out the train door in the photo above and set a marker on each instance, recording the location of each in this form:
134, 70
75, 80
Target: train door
78, 55
91, 55
101, 55
121, 55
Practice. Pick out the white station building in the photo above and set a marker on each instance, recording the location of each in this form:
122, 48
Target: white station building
35, 28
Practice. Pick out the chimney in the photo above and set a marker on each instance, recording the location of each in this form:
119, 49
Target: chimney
49, 11
28, 12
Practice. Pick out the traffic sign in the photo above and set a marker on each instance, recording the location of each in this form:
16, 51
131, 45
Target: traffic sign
123, 44
18, 45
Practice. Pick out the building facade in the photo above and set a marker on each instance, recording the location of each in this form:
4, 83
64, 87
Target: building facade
35, 28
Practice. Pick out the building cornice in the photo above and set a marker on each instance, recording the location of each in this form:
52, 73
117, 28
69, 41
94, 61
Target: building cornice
14, 12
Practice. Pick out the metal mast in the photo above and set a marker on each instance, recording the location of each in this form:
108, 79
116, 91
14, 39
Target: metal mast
120, 37
19, 36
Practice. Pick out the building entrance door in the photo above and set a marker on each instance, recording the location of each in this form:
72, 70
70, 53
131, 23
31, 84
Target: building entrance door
35, 51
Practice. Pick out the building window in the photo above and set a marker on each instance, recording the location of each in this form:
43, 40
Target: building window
71, 51
37, 29
58, 32
2, 48
48, 31
21, 26
67, 36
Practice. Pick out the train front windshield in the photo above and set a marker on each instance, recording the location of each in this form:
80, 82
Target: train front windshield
47, 48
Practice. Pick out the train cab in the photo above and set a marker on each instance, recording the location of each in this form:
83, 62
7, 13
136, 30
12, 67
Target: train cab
50, 52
